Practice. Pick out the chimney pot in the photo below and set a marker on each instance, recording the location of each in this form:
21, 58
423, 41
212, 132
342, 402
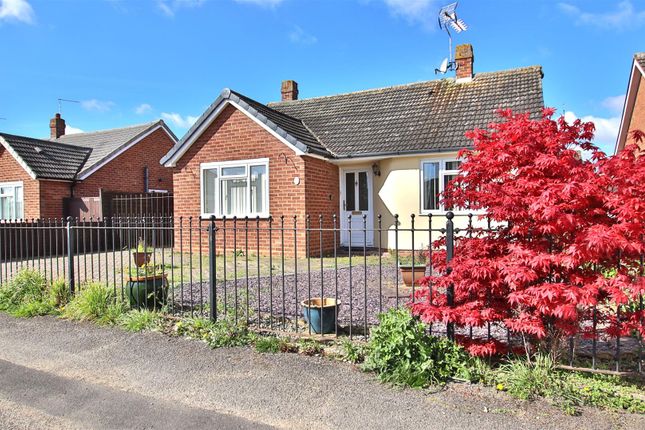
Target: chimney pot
464, 58
289, 90
56, 127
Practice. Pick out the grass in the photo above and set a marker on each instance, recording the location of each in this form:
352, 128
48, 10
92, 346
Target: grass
220, 334
271, 345
95, 302
27, 295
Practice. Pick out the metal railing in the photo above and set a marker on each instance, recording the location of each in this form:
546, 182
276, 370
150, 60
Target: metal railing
263, 272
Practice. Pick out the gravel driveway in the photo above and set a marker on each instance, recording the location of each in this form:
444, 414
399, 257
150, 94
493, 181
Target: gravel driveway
59, 374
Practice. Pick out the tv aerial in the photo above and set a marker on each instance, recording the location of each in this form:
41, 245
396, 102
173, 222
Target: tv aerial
448, 19
60, 104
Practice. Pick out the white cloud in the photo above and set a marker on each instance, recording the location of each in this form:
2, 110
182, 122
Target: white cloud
606, 129
97, 105
263, 3
170, 7
624, 17
72, 130
415, 11
143, 108
614, 103
301, 37
178, 120
17, 10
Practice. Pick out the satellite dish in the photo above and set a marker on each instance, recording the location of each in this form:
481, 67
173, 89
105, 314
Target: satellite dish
443, 68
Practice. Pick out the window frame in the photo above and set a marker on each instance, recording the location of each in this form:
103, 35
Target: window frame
14, 185
443, 172
233, 163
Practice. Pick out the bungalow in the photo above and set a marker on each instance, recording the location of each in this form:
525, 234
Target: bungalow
634, 111
37, 175
363, 156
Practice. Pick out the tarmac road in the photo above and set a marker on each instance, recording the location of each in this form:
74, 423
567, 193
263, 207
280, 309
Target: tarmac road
59, 374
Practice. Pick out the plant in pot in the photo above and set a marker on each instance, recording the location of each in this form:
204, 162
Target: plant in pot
147, 287
413, 267
141, 254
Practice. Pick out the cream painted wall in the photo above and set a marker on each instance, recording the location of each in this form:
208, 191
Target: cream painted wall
398, 191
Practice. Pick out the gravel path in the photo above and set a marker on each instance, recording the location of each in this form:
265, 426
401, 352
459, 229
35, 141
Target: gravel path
59, 374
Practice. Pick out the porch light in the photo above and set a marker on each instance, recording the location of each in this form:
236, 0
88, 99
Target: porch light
376, 169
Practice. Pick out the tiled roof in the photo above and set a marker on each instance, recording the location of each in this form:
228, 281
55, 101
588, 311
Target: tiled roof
47, 160
105, 143
425, 116
640, 59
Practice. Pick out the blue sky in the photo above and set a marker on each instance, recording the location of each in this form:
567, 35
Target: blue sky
133, 61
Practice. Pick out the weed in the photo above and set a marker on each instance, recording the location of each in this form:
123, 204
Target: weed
353, 352
139, 320
223, 333
270, 344
402, 353
310, 347
59, 293
26, 295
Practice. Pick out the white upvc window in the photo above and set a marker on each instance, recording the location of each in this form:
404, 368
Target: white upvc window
235, 188
435, 175
11, 200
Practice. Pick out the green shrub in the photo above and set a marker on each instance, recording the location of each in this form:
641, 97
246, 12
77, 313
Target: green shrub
139, 320
402, 353
95, 302
26, 295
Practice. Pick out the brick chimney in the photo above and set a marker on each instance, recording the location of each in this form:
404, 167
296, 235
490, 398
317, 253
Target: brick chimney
289, 90
464, 58
56, 127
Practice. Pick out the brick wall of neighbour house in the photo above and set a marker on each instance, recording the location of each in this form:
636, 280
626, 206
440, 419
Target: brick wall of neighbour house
126, 172
52, 194
12, 171
234, 136
322, 198
638, 115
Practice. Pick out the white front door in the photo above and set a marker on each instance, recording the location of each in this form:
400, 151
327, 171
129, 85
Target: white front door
356, 201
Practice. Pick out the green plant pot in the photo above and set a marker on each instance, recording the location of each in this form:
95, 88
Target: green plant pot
147, 292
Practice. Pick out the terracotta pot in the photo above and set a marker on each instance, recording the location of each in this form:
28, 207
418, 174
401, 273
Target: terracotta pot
141, 258
406, 274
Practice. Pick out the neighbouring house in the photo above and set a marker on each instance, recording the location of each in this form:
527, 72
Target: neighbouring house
634, 111
37, 176
364, 156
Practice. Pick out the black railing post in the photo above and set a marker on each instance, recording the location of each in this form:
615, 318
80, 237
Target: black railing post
450, 250
70, 254
212, 282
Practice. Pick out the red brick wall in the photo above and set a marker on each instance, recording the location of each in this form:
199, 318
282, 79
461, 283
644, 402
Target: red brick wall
233, 136
125, 173
52, 194
322, 198
12, 171
638, 115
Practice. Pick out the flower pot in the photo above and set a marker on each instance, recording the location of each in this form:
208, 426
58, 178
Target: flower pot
321, 314
141, 258
406, 274
147, 292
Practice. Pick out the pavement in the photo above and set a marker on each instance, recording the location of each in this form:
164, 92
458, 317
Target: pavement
64, 375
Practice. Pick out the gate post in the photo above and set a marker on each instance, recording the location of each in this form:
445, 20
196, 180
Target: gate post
450, 250
212, 282
70, 254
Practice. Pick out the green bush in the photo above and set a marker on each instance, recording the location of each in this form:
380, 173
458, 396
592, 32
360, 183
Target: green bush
402, 353
139, 320
26, 295
95, 302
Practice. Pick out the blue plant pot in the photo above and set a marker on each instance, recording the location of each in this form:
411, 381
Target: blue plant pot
321, 314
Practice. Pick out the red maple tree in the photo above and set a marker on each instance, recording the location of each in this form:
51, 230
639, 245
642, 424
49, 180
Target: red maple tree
569, 241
